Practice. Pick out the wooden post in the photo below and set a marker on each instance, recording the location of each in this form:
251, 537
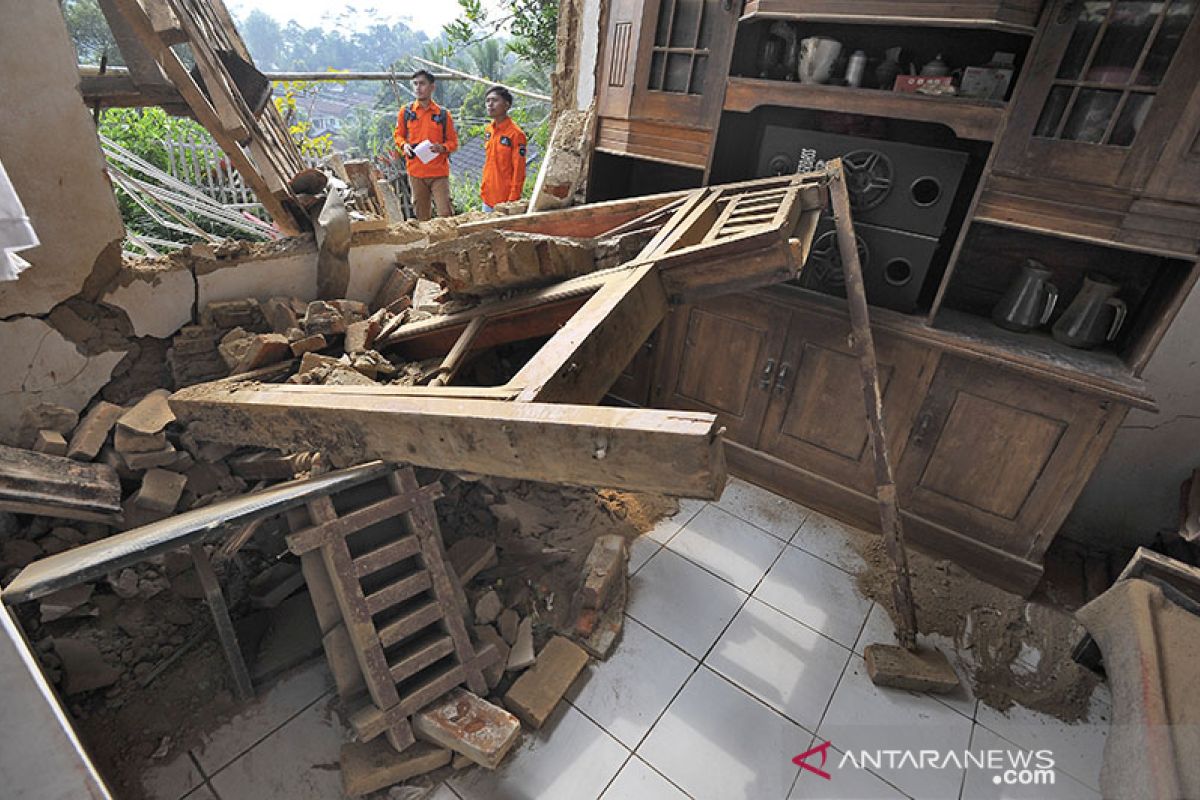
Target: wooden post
864, 347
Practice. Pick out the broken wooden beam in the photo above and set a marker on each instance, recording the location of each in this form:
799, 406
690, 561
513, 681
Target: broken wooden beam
38, 483
677, 453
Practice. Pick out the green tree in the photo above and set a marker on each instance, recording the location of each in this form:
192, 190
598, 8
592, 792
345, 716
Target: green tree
532, 23
90, 32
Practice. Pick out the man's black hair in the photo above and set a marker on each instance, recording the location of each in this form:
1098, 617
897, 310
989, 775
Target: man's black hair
504, 94
424, 73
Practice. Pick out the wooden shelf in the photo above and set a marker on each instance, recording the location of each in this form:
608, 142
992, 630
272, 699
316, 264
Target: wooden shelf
1009, 16
969, 119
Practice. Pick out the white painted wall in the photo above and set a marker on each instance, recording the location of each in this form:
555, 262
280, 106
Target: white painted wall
589, 54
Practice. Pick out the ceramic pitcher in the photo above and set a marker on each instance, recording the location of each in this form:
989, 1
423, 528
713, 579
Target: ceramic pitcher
1029, 301
817, 55
1094, 316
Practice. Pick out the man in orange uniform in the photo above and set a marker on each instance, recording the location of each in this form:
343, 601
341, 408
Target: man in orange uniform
504, 166
425, 121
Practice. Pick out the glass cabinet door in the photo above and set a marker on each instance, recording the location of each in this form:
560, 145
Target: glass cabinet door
1097, 79
688, 58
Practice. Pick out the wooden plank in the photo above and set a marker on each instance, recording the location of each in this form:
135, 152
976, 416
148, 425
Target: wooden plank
581, 362
221, 621
396, 593
645, 450
38, 479
416, 620
385, 556
319, 535
426, 655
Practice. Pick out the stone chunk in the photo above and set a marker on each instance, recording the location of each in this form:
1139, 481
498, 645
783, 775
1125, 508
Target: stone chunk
470, 556
360, 336
52, 443
925, 671
126, 441
508, 623
234, 345
488, 608
160, 490
50, 417
398, 284
63, 602
156, 458
536, 693
309, 344
370, 766
149, 416
92, 432
469, 725
604, 566
323, 318
263, 349
279, 314
521, 655
84, 667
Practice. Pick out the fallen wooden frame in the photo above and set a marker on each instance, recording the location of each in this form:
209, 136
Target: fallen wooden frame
537, 426
56, 486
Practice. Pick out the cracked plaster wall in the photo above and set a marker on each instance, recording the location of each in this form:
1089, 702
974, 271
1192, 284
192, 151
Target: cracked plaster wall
1134, 492
49, 148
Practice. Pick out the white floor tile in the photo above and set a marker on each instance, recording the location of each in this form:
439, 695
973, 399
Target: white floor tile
681, 602
880, 629
640, 551
863, 716
669, 526
788, 666
818, 594
715, 741
569, 757
727, 546
774, 514
298, 761
830, 540
626, 693
636, 781
845, 783
171, 780
266, 713
981, 784
1078, 748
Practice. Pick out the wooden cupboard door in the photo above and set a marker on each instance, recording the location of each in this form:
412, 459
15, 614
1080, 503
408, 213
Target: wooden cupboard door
722, 358
994, 455
1177, 176
1103, 91
816, 418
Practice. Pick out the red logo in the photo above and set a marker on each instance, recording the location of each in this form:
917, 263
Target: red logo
822, 749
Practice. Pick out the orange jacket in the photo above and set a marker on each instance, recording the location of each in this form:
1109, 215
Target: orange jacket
414, 125
504, 167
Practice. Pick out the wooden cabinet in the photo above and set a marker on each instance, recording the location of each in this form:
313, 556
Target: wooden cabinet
991, 453
1018, 15
662, 78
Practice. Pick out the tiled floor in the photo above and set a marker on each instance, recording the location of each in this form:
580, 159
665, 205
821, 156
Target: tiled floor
742, 649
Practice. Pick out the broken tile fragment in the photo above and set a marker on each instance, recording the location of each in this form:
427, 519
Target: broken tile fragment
536, 693
522, 654
469, 725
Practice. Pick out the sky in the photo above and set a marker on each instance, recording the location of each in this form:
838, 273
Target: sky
426, 15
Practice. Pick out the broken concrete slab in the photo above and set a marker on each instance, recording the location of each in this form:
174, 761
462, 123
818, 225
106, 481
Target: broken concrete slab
91, 433
157, 295
536, 693
522, 656
160, 490
149, 416
470, 726
370, 766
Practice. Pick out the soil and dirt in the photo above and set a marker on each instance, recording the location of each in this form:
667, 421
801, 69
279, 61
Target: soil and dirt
1015, 651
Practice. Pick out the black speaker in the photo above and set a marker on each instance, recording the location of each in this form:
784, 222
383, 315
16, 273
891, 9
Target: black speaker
895, 264
892, 184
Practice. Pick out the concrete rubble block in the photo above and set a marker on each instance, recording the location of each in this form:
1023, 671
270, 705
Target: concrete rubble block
323, 318
536, 693
50, 442
160, 490
351, 310
508, 623
470, 556
127, 441
92, 432
398, 284
148, 416
522, 656
360, 336
308, 344
84, 668
605, 565
470, 726
280, 315
493, 672
370, 766
263, 349
234, 345
156, 295
488, 607
245, 312
167, 457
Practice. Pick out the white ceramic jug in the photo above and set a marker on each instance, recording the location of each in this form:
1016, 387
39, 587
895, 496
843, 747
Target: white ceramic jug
817, 55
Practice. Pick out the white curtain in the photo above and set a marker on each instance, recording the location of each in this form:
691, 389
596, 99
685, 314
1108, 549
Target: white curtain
16, 233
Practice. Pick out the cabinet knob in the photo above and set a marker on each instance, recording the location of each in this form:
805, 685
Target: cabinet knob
764, 382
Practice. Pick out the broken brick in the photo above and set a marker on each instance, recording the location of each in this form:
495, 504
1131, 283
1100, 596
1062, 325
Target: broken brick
155, 458
536, 693
370, 766
360, 336
470, 725
279, 314
52, 443
148, 416
126, 441
160, 490
604, 566
323, 318
308, 344
263, 349
92, 432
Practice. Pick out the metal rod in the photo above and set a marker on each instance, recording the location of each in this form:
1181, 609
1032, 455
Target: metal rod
469, 77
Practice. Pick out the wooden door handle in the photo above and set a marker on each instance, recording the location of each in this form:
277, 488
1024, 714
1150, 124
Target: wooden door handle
764, 382
781, 379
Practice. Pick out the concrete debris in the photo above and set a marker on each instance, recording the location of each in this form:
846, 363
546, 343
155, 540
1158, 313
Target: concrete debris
470, 726
522, 655
488, 608
160, 490
51, 443
92, 432
508, 623
536, 693
370, 766
84, 667
65, 602
149, 416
